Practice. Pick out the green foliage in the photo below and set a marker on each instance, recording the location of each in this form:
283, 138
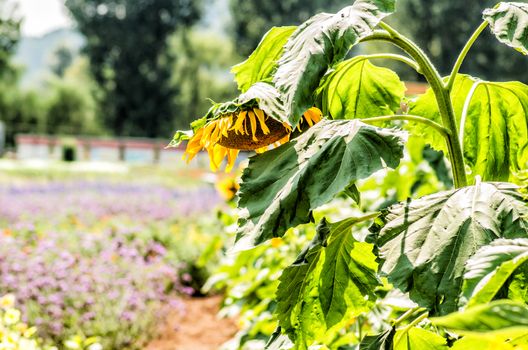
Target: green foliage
317, 166
62, 59
317, 44
382, 341
331, 281
501, 317
509, 23
493, 122
70, 111
441, 28
463, 246
416, 338
489, 269
251, 19
358, 89
9, 34
263, 61
22, 112
463, 220
201, 59
127, 46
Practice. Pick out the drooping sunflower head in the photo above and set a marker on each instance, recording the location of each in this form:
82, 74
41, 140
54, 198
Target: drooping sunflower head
245, 129
230, 127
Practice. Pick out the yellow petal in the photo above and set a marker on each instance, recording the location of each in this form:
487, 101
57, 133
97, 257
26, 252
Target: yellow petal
193, 146
262, 119
253, 121
206, 138
308, 118
216, 155
231, 159
313, 115
215, 135
239, 124
284, 139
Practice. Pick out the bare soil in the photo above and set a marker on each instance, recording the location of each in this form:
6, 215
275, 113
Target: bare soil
198, 328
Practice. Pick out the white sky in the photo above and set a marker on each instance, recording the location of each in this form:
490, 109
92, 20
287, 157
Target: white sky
42, 16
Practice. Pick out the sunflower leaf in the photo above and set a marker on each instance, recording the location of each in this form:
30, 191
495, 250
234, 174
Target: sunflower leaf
498, 318
281, 187
463, 220
331, 281
490, 268
509, 23
262, 62
179, 137
495, 126
359, 89
318, 43
416, 338
382, 341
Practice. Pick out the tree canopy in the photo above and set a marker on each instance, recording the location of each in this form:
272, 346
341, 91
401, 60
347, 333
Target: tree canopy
251, 19
126, 42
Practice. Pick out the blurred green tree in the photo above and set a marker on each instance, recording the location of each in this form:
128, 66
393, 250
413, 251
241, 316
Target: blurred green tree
9, 33
442, 27
21, 111
251, 19
201, 72
61, 59
126, 42
70, 111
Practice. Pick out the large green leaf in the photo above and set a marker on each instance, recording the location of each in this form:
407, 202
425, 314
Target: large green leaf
382, 341
359, 89
518, 287
498, 318
262, 62
281, 187
425, 243
495, 125
483, 343
490, 268
317, 44
509, 23
332, 281
416, 338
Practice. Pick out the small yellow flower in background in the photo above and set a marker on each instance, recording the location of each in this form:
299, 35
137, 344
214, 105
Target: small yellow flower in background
11, 316
249, 129
31, 331
7, 301
276, 242
21, 327
227, 187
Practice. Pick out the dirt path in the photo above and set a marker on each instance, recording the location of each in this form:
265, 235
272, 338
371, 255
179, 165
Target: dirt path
197, 329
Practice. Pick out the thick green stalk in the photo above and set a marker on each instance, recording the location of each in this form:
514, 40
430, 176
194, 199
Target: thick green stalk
441, 93
463, 53
391, 56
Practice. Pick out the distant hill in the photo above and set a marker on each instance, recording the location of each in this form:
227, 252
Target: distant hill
36, 53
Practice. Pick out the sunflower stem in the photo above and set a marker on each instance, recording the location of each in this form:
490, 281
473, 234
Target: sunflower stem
390, 56
445, 107
443, 131
463, 53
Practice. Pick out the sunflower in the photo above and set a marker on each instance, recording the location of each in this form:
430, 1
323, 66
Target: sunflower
248, 129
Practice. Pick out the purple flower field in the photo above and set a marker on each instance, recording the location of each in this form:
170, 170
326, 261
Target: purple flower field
97, 258
87, 201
